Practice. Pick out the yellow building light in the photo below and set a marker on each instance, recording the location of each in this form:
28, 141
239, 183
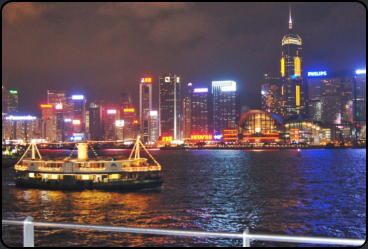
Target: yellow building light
297, 66
282, 67
282, 90
31, 175
55, 177
85, 177
297, 95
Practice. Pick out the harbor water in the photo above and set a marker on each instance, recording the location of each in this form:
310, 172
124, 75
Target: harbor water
321, 194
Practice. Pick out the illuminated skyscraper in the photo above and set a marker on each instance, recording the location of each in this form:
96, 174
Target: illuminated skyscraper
12, 102
169, 110
128, 114
271, 93
292, 89
201, 112
4, 102
187, 112
145, 106
226, 104
153, 126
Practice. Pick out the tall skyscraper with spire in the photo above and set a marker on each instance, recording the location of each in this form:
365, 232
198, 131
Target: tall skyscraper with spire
292, 91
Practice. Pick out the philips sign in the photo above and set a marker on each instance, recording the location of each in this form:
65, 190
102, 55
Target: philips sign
320, 73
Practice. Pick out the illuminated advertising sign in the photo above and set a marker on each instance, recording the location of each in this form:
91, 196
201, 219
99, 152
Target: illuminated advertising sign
200, 90
360, 71
111, 111
167, 139
217, 137
13, 92
153, 113
59, 107
46, 106
146, 80
76, 138
128, 110
74, 97
318, 73
226, 85
167, 79
135, 121
201, 137
76, 122
20, 118
67, 120
119, 123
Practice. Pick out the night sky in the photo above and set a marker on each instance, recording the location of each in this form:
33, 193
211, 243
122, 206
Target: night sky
105, 48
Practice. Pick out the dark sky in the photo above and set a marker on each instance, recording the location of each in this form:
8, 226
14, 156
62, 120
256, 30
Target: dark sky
90, 48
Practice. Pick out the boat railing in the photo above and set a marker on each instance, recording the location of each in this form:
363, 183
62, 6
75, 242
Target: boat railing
29, 224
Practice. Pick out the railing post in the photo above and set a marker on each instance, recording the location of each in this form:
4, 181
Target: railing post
246, 240
28, 232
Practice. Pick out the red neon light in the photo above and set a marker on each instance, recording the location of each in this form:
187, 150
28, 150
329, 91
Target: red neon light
232, 130
230, 134
261, 138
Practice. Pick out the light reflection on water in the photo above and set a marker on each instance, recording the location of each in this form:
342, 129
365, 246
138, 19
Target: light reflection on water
322, 193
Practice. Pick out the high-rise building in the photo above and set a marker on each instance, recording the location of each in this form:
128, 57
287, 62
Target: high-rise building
292, 87
170, 106
226, 104
187, 111
127, 114
153, 126
271, 93
95, 122
21, 128
111, 117
145, 106
202, 112
77, 109
55, 97
4, 102
12, 102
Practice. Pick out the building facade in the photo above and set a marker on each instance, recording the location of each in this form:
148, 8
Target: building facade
226, 104
170, 106
145, 107
201, 123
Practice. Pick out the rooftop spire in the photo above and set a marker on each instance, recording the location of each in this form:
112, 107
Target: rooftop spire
290, 22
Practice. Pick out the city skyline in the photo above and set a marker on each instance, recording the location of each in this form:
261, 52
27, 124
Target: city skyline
242, 47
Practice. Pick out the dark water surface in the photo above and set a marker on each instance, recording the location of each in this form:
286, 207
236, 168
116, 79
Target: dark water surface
321, 194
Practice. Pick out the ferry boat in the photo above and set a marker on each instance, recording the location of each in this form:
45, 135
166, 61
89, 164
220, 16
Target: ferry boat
80, 173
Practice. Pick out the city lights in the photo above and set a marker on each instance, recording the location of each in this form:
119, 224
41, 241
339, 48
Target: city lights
146, 80
46, 106
319, 73
360, 71
153, 113
200, 90
20, 118
128, 110
190, 84
13, 92
135, 121
226, 85
59, 107
67, 120
76, 122
201, 137
119, 123
111, 111
75, 97
167, 139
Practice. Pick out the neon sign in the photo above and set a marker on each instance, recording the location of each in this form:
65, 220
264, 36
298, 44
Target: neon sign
74, 97
59, 107
119, 123
319, 73
20, 118
128, 110
111, 111
201, 137
13, 92
217, 137
46, 106
360, 71
167, 139
145, 80
200, 90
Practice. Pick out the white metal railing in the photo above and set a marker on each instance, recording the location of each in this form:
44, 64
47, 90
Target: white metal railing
29, 224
